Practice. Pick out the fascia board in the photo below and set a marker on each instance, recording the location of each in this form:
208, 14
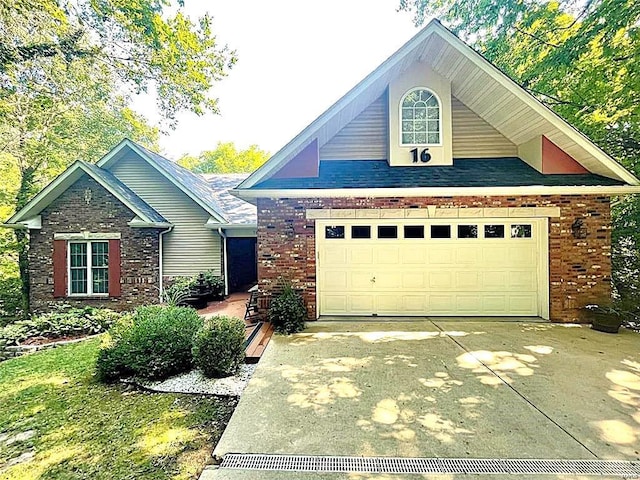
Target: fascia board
439, 191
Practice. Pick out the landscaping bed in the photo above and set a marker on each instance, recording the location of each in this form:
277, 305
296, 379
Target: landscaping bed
57, 422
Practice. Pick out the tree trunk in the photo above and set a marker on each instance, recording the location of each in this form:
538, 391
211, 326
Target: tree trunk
22, 198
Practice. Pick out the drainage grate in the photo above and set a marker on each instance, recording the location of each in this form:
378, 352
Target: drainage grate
303, 463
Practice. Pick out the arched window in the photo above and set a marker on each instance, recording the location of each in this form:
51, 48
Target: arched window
420, 117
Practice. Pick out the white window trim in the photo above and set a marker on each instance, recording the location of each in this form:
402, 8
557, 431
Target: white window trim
89, 268
440, 132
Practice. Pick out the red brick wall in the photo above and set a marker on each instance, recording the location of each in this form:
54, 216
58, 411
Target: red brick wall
579, 269
70, 213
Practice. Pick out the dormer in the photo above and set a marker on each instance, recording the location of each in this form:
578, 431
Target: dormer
420, 119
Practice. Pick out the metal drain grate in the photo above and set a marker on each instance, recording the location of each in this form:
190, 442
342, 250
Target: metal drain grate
304, 463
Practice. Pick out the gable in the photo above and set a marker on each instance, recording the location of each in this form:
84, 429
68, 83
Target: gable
155, 189
485, 90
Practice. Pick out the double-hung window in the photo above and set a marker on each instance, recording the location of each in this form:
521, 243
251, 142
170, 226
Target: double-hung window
89, 268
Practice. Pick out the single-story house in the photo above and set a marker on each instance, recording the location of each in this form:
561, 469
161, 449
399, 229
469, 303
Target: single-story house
115, 233
438, 186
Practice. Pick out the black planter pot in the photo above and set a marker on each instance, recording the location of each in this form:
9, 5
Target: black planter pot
605, 322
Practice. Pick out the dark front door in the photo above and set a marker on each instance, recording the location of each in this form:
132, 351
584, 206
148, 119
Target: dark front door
241, 255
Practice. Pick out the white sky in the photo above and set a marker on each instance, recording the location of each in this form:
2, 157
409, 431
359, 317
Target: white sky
295, 59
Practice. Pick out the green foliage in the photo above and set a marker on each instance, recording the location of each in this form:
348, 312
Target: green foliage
10, 300
226, 159
65, 321
215, 283
218, 349
287, 312
76, 421
155, 343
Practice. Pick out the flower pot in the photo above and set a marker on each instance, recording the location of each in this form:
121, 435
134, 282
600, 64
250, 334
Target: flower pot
605, 322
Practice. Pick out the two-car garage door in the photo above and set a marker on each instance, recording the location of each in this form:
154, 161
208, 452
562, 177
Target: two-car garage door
404, 268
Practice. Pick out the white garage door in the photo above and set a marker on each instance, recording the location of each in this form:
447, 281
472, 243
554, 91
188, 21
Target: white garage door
404, 268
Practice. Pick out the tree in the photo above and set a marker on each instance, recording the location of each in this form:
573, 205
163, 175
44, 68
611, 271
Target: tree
139, 43
67, 70
582, 59
226, 159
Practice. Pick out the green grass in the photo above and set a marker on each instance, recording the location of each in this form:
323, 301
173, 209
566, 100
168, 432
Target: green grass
83, 429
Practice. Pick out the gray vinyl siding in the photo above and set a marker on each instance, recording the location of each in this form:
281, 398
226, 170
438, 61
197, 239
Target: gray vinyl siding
475, 138
189, 248
366, 137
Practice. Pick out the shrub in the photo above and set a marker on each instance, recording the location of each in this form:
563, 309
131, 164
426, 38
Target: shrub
216, 284
65, 321
154, 343
287, 312
218, 349
10, 299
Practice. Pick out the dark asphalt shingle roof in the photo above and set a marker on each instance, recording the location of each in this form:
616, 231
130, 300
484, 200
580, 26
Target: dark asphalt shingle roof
235, 210
125, 192
499, 172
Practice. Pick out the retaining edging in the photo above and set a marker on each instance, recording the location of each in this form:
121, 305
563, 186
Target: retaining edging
12, 351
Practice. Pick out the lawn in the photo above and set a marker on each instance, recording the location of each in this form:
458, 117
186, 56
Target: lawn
69, 426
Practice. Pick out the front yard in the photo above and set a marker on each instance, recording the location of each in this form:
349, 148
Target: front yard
57, 421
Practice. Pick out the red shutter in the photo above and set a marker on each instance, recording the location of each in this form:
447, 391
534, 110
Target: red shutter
114, 268
59, 268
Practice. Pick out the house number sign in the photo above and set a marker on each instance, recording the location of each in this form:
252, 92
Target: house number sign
424, 156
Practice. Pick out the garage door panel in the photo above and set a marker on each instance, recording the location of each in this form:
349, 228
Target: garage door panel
388, 304
360, 304
440, 280
414, 280
523, 280
441, 255
466, 255
335, 255
387, 255
359, 280
494, 304
467, 280
440, 304
335, 280
362, 255
495, 279
414, 255
467, 304
414, 304
523, 304
334, 304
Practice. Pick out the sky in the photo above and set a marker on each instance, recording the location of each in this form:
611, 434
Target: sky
295, 59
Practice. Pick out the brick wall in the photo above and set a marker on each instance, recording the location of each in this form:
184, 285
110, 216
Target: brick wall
579, 269
104, 213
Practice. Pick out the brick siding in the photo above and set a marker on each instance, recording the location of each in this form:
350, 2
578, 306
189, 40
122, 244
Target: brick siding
104, 213
579, 269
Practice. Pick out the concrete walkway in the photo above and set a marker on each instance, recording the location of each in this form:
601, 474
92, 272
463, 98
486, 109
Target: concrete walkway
441, 389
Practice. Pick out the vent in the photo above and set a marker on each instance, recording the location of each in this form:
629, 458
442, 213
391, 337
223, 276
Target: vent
330, 464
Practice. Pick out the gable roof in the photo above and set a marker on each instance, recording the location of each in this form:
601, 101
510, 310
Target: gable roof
474, 81
146, 215
192, 185
236, 211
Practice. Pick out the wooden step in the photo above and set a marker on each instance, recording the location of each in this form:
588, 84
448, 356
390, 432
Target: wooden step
260, 341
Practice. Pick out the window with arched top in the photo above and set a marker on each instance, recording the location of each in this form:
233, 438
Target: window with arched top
420, 118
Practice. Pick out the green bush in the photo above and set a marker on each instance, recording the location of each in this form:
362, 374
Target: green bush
65, 321
287, 312
218, 349
154, 343
215, 283
10, 300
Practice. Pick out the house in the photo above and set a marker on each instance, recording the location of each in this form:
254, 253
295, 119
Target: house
115, 233
438, 186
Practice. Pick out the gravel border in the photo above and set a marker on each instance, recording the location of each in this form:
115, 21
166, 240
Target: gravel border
196, 383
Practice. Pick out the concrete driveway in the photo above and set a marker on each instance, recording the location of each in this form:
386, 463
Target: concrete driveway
442, 389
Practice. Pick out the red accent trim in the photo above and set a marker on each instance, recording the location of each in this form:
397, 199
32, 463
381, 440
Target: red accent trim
114, 268
59, 268
555, 160
304, 165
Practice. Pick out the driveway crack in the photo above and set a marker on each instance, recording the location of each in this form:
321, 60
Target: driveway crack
514, 390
